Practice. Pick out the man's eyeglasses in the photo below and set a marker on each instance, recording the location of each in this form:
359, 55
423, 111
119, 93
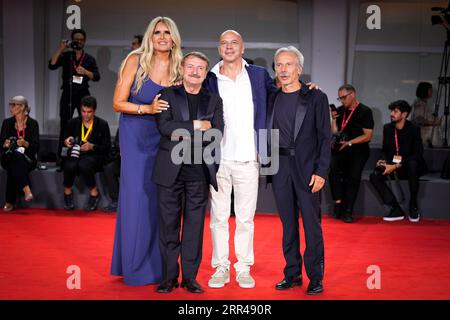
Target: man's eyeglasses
12, 104
343, 97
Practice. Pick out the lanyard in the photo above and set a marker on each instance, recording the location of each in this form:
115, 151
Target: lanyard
84, 137
345, 121
396, 141
23, 131
75, 66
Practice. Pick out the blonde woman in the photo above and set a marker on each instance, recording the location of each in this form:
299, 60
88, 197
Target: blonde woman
144, 72
19, 138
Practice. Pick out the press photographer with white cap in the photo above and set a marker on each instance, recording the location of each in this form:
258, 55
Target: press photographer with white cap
19, 138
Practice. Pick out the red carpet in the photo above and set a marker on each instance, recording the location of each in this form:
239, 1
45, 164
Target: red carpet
37, 246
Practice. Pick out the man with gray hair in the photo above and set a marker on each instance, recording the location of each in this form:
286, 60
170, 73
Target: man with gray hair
302, 117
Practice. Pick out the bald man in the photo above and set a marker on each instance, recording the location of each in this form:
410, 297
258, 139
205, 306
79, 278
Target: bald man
244, 89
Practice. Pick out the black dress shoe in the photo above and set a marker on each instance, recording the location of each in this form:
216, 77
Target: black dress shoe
337, 210
191, 285
68, 202
92, 203
167, 286
315, 287
347, 218
112, 207
290, 282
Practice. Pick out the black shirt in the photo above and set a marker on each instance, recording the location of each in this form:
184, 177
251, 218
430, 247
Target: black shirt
31, 135
362, 118
284, 117
193, 172
68, 61
100, 135
409, 142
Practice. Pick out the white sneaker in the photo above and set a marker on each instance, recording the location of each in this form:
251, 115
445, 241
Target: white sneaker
219, 278
245, 280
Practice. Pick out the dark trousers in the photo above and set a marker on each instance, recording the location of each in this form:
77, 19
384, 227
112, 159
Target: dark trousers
85, 166
290, 197
66, 112
17, 174
410, 170
195, 195
112, 174
345, 175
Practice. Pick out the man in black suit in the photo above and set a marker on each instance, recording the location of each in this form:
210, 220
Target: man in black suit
402, 156
191, 110
303, 120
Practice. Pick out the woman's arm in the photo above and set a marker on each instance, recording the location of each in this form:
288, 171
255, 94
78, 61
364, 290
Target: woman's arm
123, 90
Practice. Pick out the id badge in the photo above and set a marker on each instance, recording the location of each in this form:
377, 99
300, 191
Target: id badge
397, 159
77, 79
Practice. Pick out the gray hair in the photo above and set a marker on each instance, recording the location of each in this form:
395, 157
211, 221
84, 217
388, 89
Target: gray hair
196, 54
291, 49
22, 100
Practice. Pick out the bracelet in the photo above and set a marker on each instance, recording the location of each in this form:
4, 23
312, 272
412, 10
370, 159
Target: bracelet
139, 110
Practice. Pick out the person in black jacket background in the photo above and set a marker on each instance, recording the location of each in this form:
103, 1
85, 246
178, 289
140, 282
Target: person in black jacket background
352, 127
89, 140
78, 69
19, 139
403, 156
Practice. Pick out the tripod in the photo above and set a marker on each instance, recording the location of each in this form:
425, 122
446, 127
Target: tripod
444, 83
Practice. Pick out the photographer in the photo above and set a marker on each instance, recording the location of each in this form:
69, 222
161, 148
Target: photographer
352, 125
19, 139
402, 156
89, 140
78, 69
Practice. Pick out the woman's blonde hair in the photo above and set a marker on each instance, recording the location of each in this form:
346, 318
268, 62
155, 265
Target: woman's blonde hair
145, 52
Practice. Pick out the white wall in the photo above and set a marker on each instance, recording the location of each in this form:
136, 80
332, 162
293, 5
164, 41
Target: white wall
329, 45
18, 58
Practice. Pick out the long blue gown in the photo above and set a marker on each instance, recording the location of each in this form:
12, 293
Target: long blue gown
136, 254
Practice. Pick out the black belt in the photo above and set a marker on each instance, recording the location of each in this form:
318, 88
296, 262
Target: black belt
287, 152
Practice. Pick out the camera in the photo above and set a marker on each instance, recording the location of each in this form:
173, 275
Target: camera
380, 168
437, 19
13, 147
75, 45
75, 151
336, 140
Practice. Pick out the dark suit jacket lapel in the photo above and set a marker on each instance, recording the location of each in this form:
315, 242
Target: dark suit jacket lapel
300, 113
254, 84
203, 107
181, 102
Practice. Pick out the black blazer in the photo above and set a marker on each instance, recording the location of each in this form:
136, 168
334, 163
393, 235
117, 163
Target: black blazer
165, 172
312, 133
409, 140
31, 136
100, 135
